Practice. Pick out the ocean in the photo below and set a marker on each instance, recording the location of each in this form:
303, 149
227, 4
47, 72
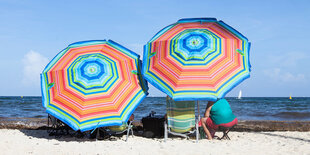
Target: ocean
247, 108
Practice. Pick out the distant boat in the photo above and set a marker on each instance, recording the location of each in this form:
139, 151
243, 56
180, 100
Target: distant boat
290, 97
240, 95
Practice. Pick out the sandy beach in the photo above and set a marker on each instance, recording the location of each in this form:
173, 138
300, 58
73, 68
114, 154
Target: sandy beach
14, 141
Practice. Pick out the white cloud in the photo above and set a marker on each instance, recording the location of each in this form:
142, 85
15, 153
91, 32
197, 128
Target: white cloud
34, 64
289, 59
287, 68
280, 76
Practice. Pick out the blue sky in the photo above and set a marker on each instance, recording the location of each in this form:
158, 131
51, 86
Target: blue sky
33, 32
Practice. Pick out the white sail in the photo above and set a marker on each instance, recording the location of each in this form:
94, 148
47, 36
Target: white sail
240, 94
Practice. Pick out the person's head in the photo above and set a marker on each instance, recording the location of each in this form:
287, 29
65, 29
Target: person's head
210, 103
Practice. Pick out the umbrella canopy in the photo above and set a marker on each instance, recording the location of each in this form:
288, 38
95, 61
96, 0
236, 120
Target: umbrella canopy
196, 59
93, 84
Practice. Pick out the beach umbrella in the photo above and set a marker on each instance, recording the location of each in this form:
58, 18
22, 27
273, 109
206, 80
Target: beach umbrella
93, 84
196, 59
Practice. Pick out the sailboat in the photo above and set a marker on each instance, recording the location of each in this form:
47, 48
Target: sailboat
240, 94
290, 97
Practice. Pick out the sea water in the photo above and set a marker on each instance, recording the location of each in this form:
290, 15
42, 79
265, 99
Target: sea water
247, 108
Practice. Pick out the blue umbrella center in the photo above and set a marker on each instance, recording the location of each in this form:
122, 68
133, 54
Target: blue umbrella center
194, 44
92, 70
91, 73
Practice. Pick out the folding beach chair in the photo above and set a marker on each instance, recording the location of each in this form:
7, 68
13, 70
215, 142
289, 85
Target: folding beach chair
181, 119
225, 131
117, 130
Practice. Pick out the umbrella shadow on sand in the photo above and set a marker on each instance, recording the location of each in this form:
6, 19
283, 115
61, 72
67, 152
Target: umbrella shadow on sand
44, 134
71, 135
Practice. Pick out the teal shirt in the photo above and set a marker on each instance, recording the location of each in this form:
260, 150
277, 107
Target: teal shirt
221, 112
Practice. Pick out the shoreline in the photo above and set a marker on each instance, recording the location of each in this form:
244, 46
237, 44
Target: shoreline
243, 125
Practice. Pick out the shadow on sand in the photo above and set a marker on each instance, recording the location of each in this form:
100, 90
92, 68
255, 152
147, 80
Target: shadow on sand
282, 136
44, 134
70, 135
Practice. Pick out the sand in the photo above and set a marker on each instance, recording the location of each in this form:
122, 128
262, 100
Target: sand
13, 141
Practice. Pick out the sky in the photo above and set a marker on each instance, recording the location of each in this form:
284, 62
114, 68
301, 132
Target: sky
33, 32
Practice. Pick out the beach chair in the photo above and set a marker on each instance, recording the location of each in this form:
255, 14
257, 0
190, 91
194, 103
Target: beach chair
118, 130
181, 120
225, 131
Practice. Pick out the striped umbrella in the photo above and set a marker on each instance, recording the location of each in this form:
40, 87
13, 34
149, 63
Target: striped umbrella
93, 84
196, 59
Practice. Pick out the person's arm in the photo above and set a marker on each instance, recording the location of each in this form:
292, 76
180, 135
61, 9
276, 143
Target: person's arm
208, 109
207, 114
205, 128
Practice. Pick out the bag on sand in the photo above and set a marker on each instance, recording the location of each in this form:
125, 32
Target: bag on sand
153, 126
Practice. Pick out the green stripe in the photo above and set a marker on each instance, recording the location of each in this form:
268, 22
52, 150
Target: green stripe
181, 115
240, 51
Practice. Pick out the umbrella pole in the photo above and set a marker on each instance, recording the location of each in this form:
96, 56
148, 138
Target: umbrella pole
197, 130
198, 110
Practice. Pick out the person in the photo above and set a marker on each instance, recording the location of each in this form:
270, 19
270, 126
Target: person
217, 114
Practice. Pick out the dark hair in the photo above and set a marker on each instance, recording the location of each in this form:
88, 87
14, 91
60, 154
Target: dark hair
210, 103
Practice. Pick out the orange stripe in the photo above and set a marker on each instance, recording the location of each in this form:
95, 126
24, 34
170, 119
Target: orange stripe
189, 73
116, 104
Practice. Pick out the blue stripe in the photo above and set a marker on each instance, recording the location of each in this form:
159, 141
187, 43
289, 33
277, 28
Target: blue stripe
162, 31
82, 43
234, 85
190, 20
62, 52
73, 125
244, 74
54, 60
63, 119
43, 87
231, 29
249, 47
156, 84
66, 118
95, 87
206, 63
124, 49
142, 81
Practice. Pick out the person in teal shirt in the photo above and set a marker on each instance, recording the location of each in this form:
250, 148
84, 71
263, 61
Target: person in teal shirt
217, 114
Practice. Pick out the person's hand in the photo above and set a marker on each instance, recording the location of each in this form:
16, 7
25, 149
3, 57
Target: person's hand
209, 138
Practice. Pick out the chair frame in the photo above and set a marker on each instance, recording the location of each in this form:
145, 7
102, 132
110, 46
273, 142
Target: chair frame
185, 135
225, 132
128, 129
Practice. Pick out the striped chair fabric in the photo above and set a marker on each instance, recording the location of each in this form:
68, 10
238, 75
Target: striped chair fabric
180, 115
